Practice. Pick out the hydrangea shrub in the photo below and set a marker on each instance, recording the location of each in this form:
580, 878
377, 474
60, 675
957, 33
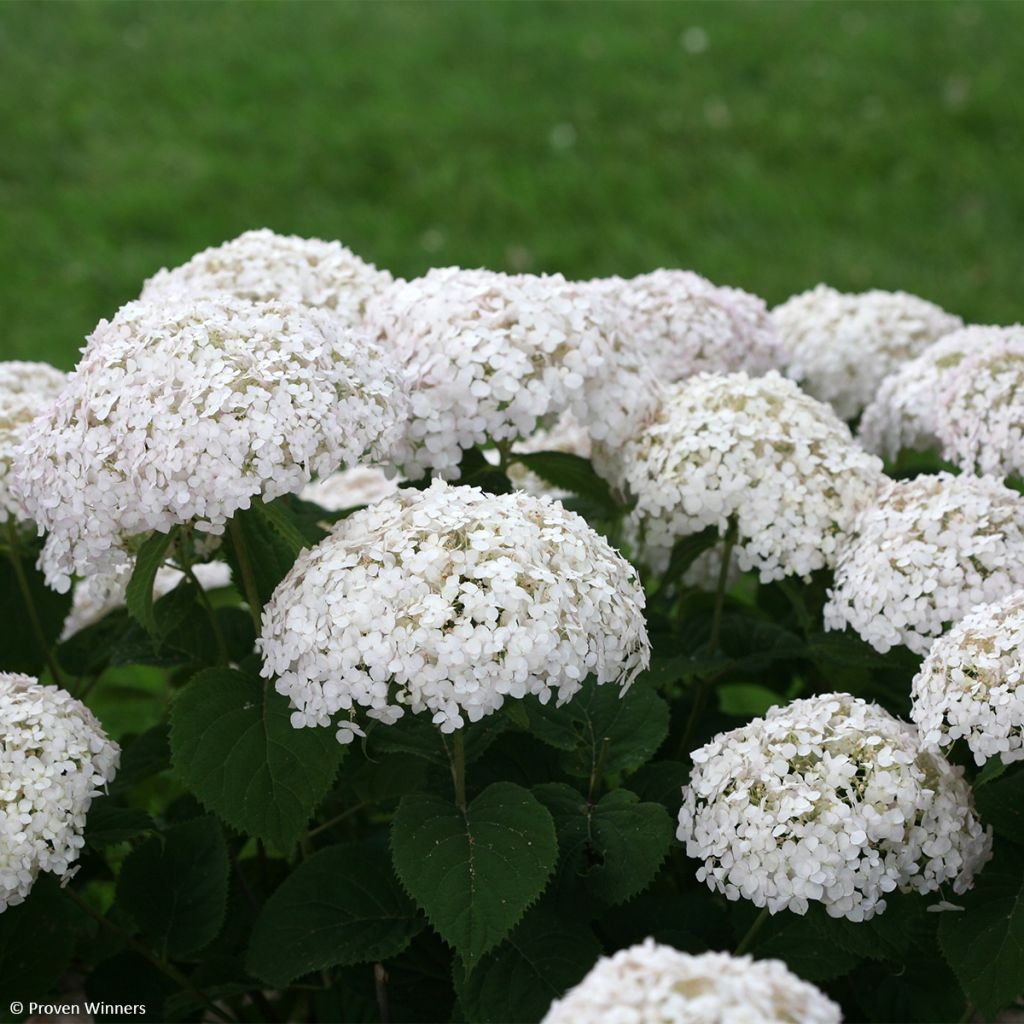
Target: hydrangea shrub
503, 648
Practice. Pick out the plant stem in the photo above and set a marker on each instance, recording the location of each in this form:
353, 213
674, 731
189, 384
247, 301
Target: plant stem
204, 600
380, 983
172, 972
252, 594
723, 580
748, 940
14, 553
700, 697
458, 761
334, 821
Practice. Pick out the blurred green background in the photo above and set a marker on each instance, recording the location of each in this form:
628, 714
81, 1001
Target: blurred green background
768, 145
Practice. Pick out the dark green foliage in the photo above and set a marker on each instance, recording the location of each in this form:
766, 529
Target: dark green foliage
342, 906
474, 872
234, 747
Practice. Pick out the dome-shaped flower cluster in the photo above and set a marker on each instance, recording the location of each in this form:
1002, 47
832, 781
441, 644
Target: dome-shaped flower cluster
980, 414
755, 449
262, 266
54, 758
903, 415
26, 391
493, 356
448, 601
654, 984
832, 800
971, 684
923, 555
184, 411
97, 596
688, 325
842, 345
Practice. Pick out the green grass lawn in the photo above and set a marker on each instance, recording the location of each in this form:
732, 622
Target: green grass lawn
769, 145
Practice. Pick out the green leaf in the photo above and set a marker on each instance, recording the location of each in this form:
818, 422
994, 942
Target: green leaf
175, 886
746, 700
687, 550
798, 942
994, 767
889, 935
570, 473
984, 943
89, 650
615, 846
37, 940
598, 728
146, 755
415, 734
342, 906
1001, 805
233, 745
19, 648
474, 873
138, 597
109, 824
844, 649
476, 471
285, 523
267, 554
662, 782
918, 988
538, 962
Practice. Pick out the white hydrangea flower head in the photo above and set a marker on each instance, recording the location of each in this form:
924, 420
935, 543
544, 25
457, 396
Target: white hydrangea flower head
654, 984
493, 356
96, 596
448, 601
971, 684
759, 450
360, 485
688, 325
184, 411
842, 345
980, 414
262, 266
923, 555
54, 758
831, 800
903, 413
26, 391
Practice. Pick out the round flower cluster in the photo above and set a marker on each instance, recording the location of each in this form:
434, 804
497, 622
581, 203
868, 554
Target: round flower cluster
687, 325
448, 601
184, 411
755, 449
655, 984
971, 685
831, 800
96, 596
904, 412
262, 266
924, 555
26, 391
981, 410
360, 485
491, 356
842, 345
54, 758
